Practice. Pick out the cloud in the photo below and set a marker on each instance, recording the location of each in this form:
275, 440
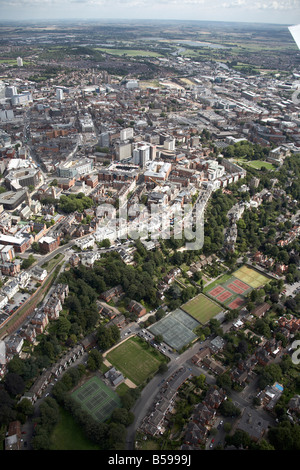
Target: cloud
276, 11
272, 5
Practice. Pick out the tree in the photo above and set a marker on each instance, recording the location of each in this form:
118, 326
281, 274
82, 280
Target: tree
227, 408
163, 368
14, 384
7, 413
239, 439
28, 262
285, 436
63, 326
122, 416
41, 441
116, 436
224, 381
95, 360
25, 407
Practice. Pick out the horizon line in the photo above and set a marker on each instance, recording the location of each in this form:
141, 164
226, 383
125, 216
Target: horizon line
47, 20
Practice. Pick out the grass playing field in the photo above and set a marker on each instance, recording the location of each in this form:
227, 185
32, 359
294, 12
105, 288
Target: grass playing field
135, 360
68, 435
128, 52
202, 308
251, 277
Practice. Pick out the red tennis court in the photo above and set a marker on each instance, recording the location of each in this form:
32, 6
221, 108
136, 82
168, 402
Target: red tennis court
235, 289
236, 303
216, 291
241, 284
224, 296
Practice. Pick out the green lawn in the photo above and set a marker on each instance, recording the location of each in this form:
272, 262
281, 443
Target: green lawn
258, 164
68, 435
218, 281
202, 308
128, 52
135, 359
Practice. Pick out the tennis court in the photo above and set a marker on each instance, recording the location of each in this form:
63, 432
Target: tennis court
251, 277
224, 296
202, 308
97, 399
216, 291
176, 329
235, 288
236, 303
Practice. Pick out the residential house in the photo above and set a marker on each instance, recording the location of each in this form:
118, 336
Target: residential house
270, 396
40, 320
89, 342
10, 288
137, 308
261, 310
14, 344
53, 308
29, 333
119, 321
39, 274
108, 295
13, 437
114, 376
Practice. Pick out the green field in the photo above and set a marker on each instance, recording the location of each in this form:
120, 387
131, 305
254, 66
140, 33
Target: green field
128, 52
218, 281
251, 277
202, 308
97, 399
68, 435
135, 360
259, 164
256, 164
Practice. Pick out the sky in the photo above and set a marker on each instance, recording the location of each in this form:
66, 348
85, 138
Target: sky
254, 11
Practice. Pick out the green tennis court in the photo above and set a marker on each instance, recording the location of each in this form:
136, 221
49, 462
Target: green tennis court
251, 277
202, 308
176, 329
97, 399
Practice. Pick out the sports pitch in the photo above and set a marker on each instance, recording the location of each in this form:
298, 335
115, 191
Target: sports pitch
202, 308
97, 399
176, 329
251, 277
135, 360
232, 291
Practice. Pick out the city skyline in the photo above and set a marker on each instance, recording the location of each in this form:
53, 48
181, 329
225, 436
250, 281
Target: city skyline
267, 11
